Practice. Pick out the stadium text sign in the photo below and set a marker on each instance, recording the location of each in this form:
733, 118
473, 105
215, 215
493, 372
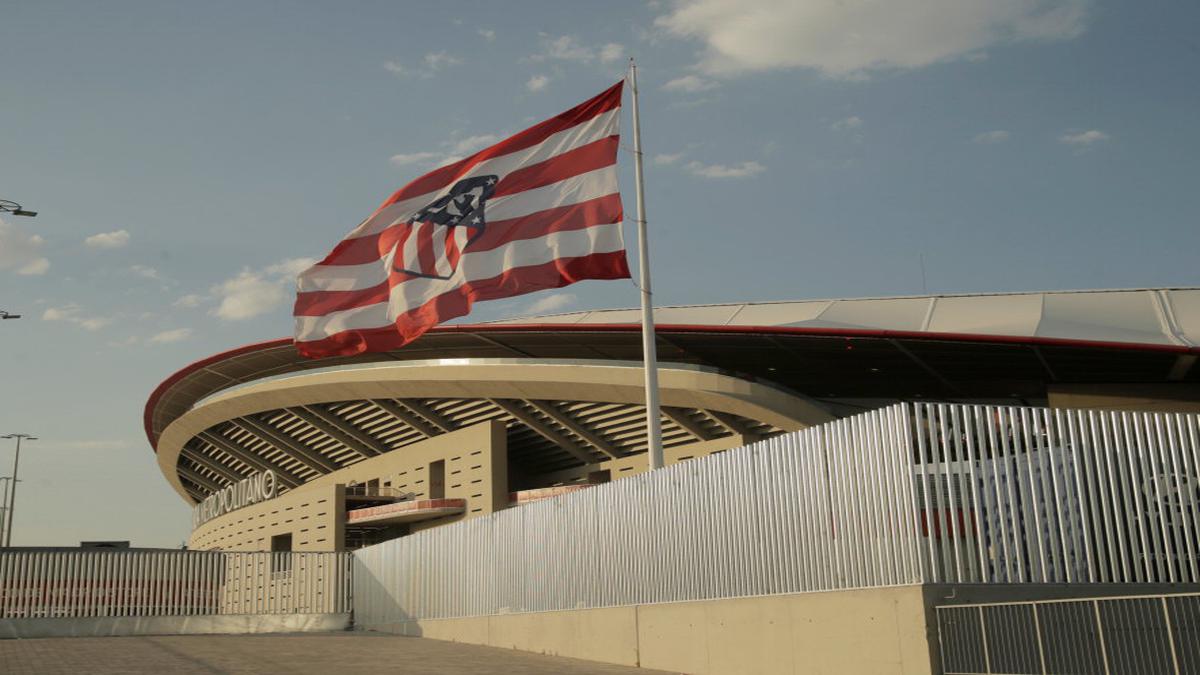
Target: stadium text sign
256, 488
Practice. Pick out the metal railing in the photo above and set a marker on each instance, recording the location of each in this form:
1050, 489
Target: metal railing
906, 494
62, 584
1130, 634
364, 490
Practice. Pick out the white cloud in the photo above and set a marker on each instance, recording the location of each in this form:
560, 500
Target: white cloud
473, 143
59, 313
404, 159
431, 64
848, 123
743, 170
665, 158
73, 313
188, 301
537, 83
35, 267
253, 293
853, 38
564, 48
145, 272
248, 295
115, 239
1083, 139
487, 34
452, 151
469, 145
551, 303
611, 52
21, 252
436, 61
991, 137
290, 268
690, 84
568, 48
168, 336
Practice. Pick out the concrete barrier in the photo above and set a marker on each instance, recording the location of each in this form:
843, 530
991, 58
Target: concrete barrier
877, 630
125, 626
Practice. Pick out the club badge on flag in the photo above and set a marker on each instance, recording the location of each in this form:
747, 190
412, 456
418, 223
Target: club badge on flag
537, 210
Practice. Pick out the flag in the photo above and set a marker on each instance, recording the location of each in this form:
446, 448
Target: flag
538, 210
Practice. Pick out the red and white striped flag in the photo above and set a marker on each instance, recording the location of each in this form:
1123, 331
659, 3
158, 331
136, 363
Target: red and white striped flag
538, 210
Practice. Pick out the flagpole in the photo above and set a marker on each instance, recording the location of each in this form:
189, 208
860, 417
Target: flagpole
650, 354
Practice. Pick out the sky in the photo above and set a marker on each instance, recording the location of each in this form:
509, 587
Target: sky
187, 159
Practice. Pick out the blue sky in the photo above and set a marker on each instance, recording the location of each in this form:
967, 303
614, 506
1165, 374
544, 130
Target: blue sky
187, 158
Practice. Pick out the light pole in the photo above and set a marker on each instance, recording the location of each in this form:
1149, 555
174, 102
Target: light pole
5, 480
4, 509
9, 206
12, 492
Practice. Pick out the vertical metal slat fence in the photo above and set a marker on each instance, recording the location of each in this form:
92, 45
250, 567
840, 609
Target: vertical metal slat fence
911, 493
70, 584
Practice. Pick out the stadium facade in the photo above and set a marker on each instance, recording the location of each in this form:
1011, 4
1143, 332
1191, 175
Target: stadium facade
278, 452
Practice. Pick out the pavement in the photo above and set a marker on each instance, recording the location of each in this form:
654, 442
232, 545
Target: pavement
359, 652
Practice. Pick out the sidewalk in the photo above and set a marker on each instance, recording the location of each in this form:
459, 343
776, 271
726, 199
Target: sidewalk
318, 653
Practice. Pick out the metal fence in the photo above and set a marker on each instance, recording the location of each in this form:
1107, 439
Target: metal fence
905, 494
1016, 495
77, 583
1136, 634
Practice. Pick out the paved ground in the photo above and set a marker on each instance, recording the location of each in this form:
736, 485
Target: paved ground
293, 654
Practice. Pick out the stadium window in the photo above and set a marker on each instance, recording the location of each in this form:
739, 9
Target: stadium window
281, 554
437, 479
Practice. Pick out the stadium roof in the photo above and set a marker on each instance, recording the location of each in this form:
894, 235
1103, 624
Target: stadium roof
1169, 316
953, 347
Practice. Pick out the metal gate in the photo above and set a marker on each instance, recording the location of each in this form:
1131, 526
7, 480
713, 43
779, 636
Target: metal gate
1146, 635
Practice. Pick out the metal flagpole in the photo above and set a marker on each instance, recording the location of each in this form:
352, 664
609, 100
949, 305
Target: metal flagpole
650, 354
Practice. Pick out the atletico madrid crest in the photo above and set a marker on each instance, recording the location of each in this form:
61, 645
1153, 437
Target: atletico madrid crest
441, 232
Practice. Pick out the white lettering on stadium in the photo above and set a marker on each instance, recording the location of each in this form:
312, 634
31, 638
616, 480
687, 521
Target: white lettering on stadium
256, 488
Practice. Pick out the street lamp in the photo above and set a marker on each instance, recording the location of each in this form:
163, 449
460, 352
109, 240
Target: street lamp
8, 206
5, 480
12, 492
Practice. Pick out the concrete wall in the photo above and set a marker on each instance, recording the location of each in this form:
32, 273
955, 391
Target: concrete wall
314, 513
880, 630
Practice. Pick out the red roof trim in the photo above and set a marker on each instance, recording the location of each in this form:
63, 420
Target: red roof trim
1032, 341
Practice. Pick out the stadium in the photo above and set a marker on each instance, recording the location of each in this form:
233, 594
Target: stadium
278, 452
